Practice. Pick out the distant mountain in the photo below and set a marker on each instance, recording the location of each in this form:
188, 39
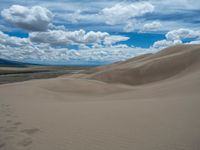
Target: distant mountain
10, 63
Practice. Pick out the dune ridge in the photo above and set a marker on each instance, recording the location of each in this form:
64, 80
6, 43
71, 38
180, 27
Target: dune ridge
150, 68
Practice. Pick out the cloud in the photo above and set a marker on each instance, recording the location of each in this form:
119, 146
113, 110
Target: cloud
175, 37
44, 53
182, 34
129, 27
153, 26
109, 40
12, 41
48, 38
122, 12
56, 27
194, 42
120, 46
81, 14
165, 43
60, 37
53, 37
23, 49
64, 56
74, 17
34, 18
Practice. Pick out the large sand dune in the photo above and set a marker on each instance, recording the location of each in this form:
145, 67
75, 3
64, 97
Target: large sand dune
160, 113
149, 68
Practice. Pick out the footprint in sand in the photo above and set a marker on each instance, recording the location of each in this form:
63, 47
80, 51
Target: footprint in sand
2, 145
10, 129
8, 114
30, 131
9, 137
25, 142
17, 123
8, 121
3, 105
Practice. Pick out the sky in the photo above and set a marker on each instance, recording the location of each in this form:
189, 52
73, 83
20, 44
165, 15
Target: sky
88, 32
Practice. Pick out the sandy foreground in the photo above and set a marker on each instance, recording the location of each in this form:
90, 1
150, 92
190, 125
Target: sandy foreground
158, 113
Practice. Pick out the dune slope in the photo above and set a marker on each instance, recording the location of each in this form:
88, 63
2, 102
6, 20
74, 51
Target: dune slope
150, 68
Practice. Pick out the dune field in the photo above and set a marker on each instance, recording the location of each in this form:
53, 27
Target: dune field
150, 102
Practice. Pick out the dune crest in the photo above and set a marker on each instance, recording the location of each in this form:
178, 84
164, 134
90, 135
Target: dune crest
152, 67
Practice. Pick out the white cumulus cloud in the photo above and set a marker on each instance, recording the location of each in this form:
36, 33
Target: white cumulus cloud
60, 37
23, 49
182, 34
6, 40
57, 37
122, 12
153, 26
165, 43
175, 37
34, 18
109, 40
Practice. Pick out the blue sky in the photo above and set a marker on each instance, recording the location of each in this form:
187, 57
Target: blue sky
94, 32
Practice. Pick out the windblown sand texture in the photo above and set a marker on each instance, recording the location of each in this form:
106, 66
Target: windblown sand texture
150, 102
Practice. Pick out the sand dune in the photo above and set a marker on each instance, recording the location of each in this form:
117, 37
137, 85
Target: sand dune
149, 68
160, 113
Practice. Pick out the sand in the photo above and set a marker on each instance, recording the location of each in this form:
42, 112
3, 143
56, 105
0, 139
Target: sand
158, 112
150, 68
